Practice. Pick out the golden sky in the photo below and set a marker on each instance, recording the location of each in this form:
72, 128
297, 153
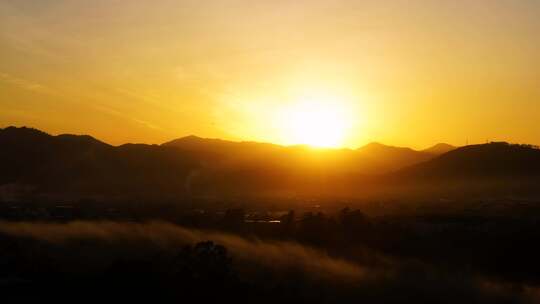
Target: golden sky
409, 73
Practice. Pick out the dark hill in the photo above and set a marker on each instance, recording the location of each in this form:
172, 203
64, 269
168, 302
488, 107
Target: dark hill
494, 170
439, 149
498, 159
373, 158
84, 165
389, 158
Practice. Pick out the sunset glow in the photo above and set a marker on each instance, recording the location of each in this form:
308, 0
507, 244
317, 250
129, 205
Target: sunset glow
150, 72
318, 123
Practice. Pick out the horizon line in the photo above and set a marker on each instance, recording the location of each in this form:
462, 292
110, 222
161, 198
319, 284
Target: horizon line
261, 142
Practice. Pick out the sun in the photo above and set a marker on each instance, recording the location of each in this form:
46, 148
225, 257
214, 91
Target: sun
318, 123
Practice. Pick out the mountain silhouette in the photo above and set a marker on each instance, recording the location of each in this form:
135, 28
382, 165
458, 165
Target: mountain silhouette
199, 144
84, 166
374, 158
389, 158
490, 170
439, 149
218, 152
496, 159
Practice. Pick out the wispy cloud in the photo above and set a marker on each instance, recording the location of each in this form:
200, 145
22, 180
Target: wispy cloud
111, 111
151, 100
21, 83
24, 83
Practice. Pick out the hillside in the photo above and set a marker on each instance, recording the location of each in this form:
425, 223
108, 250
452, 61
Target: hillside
84, 166
439, 149
498, 159
389, 158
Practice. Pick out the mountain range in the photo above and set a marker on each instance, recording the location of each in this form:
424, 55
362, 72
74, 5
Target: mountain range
80, 165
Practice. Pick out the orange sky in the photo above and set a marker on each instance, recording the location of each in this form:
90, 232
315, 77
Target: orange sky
409, 73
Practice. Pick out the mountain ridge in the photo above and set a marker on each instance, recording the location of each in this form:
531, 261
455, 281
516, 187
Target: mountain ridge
440, 148
195, 138
82, 164
493, 159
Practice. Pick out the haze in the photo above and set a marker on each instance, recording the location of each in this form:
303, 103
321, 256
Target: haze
409, 73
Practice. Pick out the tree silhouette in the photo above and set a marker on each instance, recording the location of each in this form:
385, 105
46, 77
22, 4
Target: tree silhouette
205, 261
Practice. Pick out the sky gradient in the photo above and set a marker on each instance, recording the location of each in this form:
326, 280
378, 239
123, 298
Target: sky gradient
408, 73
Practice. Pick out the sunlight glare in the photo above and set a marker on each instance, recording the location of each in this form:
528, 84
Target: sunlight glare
317, 122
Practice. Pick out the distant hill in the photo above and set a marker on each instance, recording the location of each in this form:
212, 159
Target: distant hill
223, 152
487, 171
373, 158
389, 158
439, 149
199, 144
84, 166
498, 159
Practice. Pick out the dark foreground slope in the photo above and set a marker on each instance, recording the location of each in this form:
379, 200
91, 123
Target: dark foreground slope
89, 262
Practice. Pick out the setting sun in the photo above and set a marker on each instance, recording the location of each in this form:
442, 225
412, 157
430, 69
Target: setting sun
318, 123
